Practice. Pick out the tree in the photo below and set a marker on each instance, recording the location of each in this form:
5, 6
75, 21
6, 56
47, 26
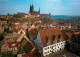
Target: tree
17, 15
34, 33
75, 46
2, 37
39, 27
45, 19
27, 33
73, 38
7, 55
78, 38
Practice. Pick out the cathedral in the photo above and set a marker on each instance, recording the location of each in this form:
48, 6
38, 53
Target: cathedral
34, 14
32, 11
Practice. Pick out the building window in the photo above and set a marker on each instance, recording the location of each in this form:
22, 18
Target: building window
48, 47
45, 48
47, 41
7, 38
59, 37
50, 51
54, 39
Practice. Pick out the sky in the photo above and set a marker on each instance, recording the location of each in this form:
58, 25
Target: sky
55, 7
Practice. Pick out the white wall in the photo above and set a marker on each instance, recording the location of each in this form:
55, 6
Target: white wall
53, 48
19, 55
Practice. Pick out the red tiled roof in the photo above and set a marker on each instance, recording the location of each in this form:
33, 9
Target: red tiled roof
28, 55
44, 14
29, 20
65, 24
49, 33
37, 22
75, 28
69, 28
29, 13
12, 44
21, 28
2, 18
70, 35
20, 24
51, 22
76, 32
45, 25
60, 23
13, 20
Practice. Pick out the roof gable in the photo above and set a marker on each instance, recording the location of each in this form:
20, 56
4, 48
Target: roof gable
49, 33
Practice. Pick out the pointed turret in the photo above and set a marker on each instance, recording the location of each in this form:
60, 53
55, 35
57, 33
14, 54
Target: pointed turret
39, 10
50, 14
32, 8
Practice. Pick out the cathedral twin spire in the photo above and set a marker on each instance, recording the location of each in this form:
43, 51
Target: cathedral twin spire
32, 9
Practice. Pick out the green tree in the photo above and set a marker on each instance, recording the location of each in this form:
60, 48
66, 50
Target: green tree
7, 55
75, 46
39, 27
2, 37
17, 15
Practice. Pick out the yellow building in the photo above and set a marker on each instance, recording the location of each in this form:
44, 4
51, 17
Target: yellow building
26, 16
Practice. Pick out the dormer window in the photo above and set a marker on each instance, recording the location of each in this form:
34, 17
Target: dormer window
54, 39
59, 37
47, 41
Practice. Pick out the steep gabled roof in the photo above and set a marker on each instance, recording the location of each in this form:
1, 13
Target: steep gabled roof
49, 33
18, 29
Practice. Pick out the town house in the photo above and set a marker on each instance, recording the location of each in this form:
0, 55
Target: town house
49, 41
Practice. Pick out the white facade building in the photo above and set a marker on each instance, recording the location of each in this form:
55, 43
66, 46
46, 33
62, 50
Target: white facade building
53, 48
49, 44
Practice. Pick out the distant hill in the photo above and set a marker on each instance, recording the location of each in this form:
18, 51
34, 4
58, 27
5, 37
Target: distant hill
66, 19
63, 16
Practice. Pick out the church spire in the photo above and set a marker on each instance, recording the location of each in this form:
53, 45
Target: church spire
39, 10
50, 14
32, 8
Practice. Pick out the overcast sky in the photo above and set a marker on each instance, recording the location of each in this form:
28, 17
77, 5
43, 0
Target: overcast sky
55, 7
